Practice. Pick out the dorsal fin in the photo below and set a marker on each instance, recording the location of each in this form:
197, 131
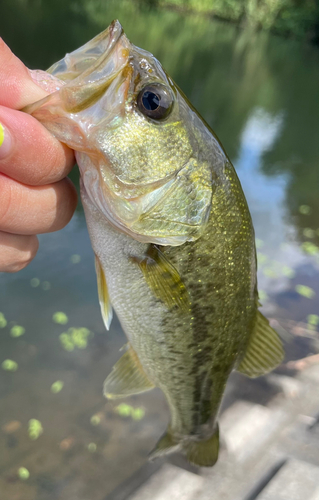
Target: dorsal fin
264, 351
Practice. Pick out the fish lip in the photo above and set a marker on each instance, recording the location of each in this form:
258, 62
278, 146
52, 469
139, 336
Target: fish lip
66, 72
114, 32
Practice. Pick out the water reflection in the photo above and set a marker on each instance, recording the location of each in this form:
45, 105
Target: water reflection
259, 93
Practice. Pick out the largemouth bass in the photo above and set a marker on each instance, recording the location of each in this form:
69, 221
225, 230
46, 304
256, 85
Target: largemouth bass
171, 231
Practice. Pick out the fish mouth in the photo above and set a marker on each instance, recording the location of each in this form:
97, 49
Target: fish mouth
85, 76
90, 57
98, 84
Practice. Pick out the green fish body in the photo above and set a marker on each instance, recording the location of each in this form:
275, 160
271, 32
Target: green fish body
172, 235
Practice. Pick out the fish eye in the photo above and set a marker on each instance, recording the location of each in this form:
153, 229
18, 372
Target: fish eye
155, 101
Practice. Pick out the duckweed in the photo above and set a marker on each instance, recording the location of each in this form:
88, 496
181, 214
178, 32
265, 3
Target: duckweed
313, 321
288, 272
262, 258
263, 296
75, 337
57, 386
270, 272
35, 429
46, 285
3, 321
34, 282
95, 419
92, 447
75, 259
17, 331
9, 365
310, 248
125, 410
305, 291
308, 232
60, 318
23, 473
259, 243
305, 209
80, 337
137, 413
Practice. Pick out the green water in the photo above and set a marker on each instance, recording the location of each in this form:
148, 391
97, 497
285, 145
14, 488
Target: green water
260, 95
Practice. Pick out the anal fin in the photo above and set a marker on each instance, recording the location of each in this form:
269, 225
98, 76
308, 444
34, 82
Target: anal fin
127, 377
106, 307
166, 445
264, 352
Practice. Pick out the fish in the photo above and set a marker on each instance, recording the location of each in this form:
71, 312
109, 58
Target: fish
172, 235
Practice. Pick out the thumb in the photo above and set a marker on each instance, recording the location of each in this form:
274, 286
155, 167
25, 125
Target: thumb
17, 89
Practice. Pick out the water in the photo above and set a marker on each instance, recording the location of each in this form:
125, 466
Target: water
259, 94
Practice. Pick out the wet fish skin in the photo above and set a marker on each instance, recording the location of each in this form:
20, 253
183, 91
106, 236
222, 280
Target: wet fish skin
172, 234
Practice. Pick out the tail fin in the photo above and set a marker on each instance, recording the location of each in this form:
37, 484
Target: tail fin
203, 453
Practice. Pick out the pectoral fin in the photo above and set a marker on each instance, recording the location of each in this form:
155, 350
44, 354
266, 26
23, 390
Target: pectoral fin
106, 307
163, 279
127, 377
264, 352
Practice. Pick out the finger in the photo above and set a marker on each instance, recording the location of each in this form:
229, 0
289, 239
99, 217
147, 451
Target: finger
16, 251
17, 88
29, 153
33, 210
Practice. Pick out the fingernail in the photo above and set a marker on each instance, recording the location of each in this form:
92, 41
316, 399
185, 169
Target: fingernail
5, 142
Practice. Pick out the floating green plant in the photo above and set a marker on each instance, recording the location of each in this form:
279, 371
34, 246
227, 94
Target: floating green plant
23, 473
75, 337
310, 248
17, 331
305, 291
308, 232
46, 285
60, 318
9, 365
288, 272
3, 321
137, 413
305, 209
35, 428
92, 447
125, 410
313, 321
259, 243
95, 419
261, 258
34, 282
57, 386
270, 272
263, 296
75, 259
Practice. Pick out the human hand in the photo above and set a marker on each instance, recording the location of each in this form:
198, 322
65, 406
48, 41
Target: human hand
35, 196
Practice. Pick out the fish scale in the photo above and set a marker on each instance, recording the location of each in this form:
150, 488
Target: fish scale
171, 232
